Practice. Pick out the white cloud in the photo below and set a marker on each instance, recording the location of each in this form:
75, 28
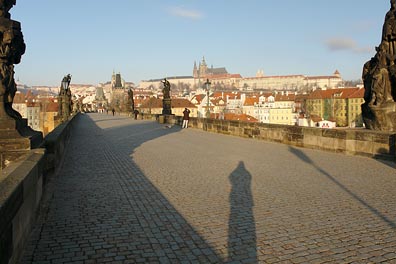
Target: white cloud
182, 12
346, 44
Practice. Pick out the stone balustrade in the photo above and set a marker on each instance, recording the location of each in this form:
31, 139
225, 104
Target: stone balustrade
22, 187
357, 141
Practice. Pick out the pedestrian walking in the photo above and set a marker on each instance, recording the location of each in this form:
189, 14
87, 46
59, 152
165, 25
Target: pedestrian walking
136, 112
186, 117
113, 111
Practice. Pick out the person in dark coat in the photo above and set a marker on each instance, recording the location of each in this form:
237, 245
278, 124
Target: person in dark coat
186, 117
136, 112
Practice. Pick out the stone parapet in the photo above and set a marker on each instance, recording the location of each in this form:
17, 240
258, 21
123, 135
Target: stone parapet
23, 184
20, 194
363, 142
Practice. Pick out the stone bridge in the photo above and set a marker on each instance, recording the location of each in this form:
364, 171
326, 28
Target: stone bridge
136, 191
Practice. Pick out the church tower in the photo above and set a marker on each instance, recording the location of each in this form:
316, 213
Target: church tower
195, 70
203, 68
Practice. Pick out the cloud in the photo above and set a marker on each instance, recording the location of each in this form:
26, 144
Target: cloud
186, 13
346, 44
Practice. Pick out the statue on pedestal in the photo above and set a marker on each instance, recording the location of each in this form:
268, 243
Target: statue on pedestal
16, 136
379, 78
166, 101
65, 98
12, 47
130, 99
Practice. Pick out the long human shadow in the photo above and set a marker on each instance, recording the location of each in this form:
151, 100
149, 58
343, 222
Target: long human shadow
241, 224
160, 224
306, 159
104, 195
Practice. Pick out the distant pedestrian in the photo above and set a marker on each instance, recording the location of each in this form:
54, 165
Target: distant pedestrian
113, 111
107, 111
186, 117
136, 112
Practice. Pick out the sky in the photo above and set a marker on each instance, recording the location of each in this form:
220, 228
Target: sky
153, 39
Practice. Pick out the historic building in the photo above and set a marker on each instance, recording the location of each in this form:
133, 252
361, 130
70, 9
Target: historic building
154, 106
203, 71
290, 82
219, 77
272, 108
355, 100
335, 104
100, 101
119, 92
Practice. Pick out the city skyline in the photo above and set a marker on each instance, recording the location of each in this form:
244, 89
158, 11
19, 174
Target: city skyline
155, 39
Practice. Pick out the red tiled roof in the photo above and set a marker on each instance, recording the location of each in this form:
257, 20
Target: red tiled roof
181, 103
284, 97
341, 93
52, 107
176, 103
19, 98
239, 117
250, 101
152, 103
358, 94
316, 118
198, 97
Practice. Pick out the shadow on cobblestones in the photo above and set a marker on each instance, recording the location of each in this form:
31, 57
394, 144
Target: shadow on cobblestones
241, 225
104, 208
376, 212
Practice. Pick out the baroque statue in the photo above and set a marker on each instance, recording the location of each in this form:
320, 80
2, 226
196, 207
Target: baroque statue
166, 89
12, 47
17, 136
65, 98
130, 99
166, 101
379, 78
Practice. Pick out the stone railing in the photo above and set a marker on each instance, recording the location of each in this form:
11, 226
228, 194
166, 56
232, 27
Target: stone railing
362, 142
23, 185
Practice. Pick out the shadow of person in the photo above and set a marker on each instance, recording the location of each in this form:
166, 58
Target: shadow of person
102, 196
301, 155
241, 224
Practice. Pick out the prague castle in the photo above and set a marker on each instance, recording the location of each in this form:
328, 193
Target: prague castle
220, 79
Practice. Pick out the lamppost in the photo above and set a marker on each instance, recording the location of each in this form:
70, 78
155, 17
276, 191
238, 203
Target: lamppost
207, 97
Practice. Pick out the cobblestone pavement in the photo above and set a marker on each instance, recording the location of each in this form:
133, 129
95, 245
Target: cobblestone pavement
133, 191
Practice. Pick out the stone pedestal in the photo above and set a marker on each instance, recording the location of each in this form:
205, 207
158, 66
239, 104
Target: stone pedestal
166, 119
166, 106
381, 118
12, 144
16, 139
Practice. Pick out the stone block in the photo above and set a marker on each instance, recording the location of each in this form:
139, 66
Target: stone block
364, 148
311, 140
312, 131
350, 146
334, 133
275, 135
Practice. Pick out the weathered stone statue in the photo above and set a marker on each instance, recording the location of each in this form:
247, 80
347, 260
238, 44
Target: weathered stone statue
379, 78
166, 89
130, 100
166, 102
65, 98
12, 47
16, 137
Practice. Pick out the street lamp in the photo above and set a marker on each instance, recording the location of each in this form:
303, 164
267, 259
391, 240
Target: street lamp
207, 97
65, 84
